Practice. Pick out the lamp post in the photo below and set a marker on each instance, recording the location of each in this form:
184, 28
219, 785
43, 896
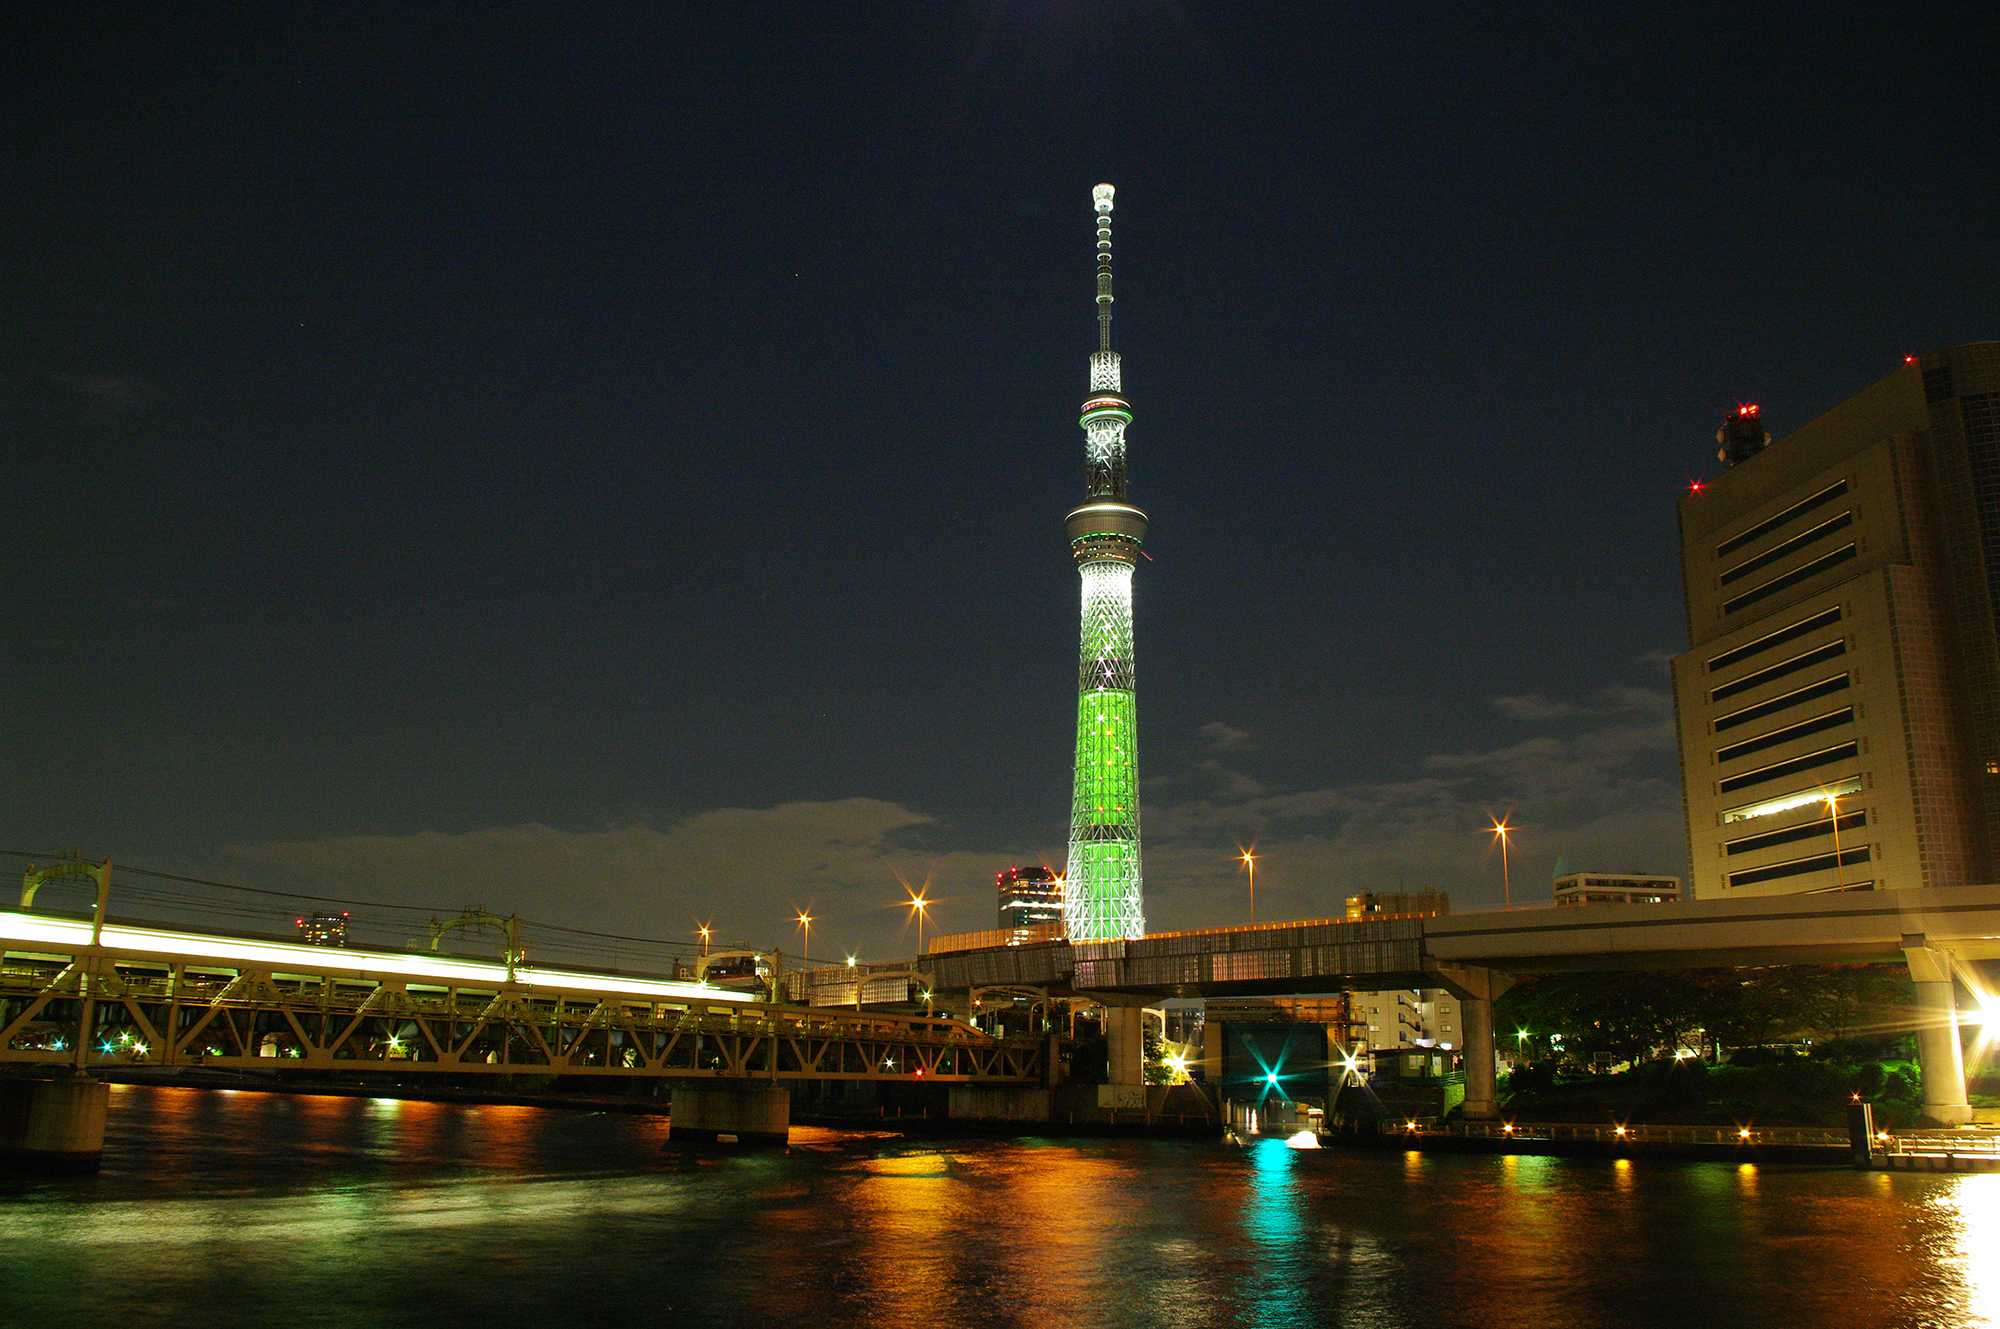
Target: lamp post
920, 904
806, 922
1501, 829
1250, 862
1833, 816
704, 940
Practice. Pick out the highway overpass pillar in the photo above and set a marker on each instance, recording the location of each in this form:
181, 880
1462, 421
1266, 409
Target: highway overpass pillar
707, 1111
1476, 988
1125, 1036
52, 1125
1939, 1054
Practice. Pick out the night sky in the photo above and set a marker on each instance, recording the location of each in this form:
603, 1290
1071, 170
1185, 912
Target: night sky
609, 463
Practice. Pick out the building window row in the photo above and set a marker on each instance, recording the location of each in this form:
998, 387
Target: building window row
1833, 650
1770, 641
1826, 687
1798, 867
1811, 830
1798, 798
1785, 518
1792, 546
1778, 771
1819, 724
1790, 579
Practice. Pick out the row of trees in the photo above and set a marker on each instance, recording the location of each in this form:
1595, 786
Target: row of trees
1635, 1016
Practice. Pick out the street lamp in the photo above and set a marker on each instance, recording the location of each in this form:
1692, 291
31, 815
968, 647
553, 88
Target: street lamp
920, 904
806, 922
704, 940
1501, 829
1250, 862
1833, 815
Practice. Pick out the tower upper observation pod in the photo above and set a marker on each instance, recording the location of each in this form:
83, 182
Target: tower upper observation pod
1102, 892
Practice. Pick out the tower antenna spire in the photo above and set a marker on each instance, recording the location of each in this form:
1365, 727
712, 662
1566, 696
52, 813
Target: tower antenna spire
1102, 898
1100, 199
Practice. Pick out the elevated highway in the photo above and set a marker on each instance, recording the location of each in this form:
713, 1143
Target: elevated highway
1936, 932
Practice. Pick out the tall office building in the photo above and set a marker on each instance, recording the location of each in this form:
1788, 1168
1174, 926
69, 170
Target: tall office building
1102, 899
1839, 711
1029, 897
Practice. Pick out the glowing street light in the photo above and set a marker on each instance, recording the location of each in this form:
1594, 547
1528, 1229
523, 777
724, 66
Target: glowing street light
1833, 816
806, 922
1502, 829
704, 939
920, 904
1249, 858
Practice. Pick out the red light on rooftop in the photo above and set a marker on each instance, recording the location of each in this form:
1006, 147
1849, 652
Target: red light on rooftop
1909, 359
1747, 410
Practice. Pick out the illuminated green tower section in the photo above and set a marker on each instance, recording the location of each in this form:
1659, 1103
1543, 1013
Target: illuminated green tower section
1102, 897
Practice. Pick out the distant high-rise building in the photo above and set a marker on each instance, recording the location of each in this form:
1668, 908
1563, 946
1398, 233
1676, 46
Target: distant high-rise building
1839, 711
1616, 888
1029, 897
1398, 904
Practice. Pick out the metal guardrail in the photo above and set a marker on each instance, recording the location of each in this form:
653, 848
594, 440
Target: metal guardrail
1615, 1134
1943, 1142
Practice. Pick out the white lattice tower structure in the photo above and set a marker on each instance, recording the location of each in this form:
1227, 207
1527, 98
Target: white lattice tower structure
1102, 897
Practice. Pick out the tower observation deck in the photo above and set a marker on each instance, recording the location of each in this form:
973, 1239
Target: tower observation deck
1102, 898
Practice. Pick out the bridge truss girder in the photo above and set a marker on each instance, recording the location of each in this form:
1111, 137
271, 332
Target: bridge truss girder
334, 1026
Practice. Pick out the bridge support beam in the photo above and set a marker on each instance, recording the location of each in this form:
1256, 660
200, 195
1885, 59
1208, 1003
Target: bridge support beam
52, 1125
1939, 1053
704, 1112
1475, 988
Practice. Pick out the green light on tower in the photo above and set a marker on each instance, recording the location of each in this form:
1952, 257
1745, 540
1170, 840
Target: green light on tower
1102, 898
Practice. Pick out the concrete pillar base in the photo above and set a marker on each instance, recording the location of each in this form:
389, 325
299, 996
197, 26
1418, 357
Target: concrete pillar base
1939, 1055
711, 1113
1476, 988
52, 1125
1125, 1035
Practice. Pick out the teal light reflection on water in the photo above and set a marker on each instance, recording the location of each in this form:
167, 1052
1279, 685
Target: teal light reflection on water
1276, 1221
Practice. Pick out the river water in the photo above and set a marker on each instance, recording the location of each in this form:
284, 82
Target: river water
219, 1208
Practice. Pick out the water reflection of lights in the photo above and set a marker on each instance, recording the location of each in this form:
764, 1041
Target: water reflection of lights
1975, 1205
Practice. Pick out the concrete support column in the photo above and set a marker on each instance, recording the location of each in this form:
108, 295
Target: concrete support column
1476, 988
707, 1112
1939, 1054
52, 1125
1482, 1099
1125, 1034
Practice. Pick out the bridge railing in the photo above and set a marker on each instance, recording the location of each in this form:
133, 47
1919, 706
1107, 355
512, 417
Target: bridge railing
1615, 1134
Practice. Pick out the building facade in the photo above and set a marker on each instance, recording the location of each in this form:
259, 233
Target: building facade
1616, 888
1029, 897
1839, 708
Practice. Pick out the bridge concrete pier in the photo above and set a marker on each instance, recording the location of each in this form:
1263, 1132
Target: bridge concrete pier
1124, 1036
52, 1125
703, 1112
1476, 987
1940, 1056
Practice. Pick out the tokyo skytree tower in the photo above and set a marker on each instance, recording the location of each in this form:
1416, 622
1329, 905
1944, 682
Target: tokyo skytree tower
1101, 892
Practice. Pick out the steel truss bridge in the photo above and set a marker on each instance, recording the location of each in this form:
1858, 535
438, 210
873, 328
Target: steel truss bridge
104, 994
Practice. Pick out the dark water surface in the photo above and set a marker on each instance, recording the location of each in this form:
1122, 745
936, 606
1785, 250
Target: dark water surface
263, 1209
